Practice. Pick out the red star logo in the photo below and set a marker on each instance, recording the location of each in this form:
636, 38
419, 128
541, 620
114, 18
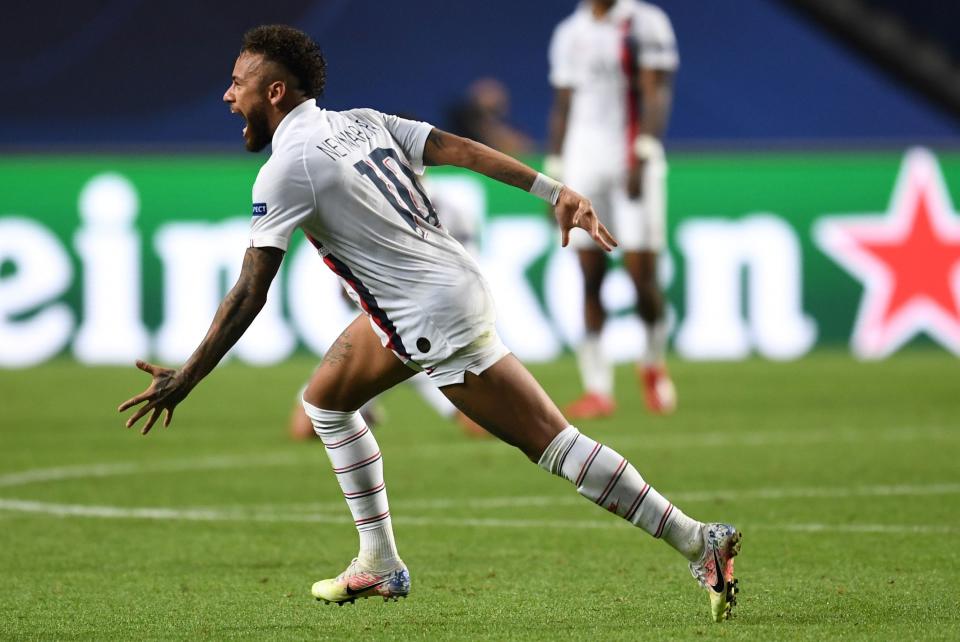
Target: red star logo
907, 259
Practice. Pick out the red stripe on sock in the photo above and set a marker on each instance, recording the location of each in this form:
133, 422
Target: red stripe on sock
346, 440
613, 481
587, 463
369, 520
360, 464
636, 503
663, 520
364, 493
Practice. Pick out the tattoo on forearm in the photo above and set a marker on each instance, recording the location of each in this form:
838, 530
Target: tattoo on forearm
237, 311
442, 148
435, 145
516, 176
435, 138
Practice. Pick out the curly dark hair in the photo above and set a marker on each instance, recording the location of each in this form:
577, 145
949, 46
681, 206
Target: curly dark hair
293, 49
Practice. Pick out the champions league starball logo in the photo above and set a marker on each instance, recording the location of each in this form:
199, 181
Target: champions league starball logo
908, 260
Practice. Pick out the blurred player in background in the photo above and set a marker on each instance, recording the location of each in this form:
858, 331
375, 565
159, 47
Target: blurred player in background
611, 65
464, 223
483, 115
349, 180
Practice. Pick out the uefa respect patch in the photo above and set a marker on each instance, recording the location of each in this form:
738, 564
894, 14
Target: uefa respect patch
259, 209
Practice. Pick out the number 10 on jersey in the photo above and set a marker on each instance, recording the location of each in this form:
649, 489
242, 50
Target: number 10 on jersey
401, 189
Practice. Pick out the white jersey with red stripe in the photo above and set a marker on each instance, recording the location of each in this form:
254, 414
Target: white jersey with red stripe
350, 181
599, 59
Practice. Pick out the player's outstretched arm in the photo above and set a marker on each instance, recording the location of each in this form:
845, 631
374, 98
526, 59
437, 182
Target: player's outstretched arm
235, 314
570, 208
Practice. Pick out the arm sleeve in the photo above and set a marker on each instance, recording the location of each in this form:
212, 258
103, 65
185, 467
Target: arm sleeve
561, 58
411, 137
282, 199
658, 45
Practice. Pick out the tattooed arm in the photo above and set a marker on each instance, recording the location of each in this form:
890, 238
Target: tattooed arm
235, 314
443, 148
571, 210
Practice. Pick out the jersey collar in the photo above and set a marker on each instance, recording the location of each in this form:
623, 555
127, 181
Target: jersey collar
292, 115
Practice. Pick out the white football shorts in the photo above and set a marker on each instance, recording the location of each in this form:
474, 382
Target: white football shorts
638, 225
475, 357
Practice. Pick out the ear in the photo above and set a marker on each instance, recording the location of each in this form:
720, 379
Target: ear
276, 91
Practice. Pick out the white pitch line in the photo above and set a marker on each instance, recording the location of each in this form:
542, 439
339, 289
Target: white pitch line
338, 516
63, 473
645, 441
638, 440
571, 499
895, 529
161, 513
215, 515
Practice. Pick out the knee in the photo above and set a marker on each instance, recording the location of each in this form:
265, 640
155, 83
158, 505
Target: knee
328, 395
327, 423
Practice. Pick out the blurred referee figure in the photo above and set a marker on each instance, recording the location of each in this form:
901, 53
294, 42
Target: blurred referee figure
350, 181
611, 65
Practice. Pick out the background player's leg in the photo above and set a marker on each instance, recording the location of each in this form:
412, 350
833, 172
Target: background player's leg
596, 372
434, 398
438, 401
507, 401
642, 267
658, 388
355, 369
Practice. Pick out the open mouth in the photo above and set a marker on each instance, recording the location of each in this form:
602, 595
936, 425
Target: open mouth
241, 115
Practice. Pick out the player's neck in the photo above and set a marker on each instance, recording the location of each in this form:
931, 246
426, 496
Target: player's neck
277, 115
600, 8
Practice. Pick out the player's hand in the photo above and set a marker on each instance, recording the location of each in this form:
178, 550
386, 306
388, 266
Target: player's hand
167, 389
573, 210
635, 180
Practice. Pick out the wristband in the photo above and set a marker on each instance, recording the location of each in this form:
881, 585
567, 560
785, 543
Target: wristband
646, 146
546, 188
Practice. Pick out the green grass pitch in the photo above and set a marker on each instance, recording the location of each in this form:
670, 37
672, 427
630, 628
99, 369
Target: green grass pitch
843, 476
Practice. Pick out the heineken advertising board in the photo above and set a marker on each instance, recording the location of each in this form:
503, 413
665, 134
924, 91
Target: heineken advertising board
111, 258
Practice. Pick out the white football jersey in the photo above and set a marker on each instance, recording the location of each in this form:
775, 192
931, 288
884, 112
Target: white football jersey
349, 180
598, 58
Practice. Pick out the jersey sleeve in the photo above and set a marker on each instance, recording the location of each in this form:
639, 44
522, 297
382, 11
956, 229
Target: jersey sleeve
562, 58
657, 42
411, 137
282, 199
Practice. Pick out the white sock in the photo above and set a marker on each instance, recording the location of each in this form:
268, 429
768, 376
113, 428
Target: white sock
432, 395
656, 351
356, 460
609, 480
596, 373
